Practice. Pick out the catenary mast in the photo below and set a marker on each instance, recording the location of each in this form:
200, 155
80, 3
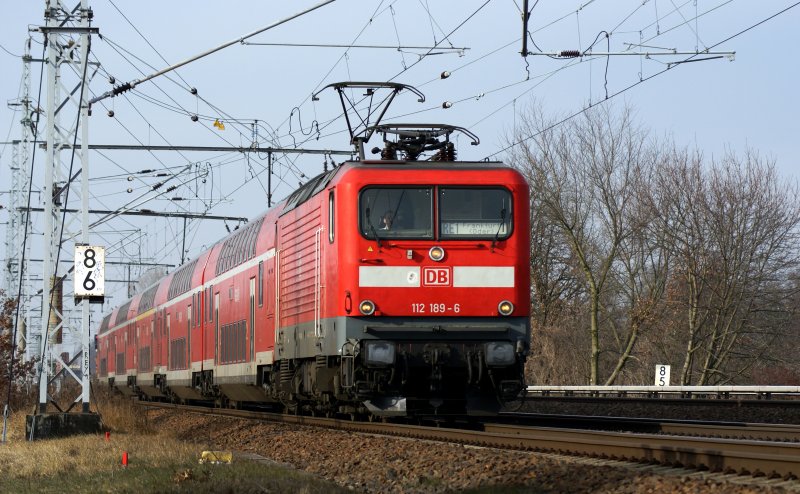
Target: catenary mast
67, 34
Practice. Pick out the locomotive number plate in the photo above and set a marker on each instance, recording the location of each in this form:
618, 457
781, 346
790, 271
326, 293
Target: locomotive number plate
435, 308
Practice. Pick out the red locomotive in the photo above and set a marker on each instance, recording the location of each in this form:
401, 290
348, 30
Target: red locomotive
385, 286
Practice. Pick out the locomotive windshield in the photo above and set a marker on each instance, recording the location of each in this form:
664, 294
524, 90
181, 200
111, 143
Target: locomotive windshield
472, 212
408, 212
396, 212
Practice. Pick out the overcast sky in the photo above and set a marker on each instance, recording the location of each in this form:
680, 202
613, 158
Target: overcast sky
750, 100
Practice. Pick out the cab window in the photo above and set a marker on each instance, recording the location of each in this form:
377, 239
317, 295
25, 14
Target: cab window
474, 212
396, 212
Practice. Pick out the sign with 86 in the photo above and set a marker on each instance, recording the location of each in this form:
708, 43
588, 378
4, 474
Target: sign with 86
90, 269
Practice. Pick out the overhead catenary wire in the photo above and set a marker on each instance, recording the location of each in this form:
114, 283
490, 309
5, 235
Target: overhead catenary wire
631, 86
229, 118
447, 37
587, 57
585, 4
405, 69
323, 126
136, 82
398, 46
152, 127
186, 87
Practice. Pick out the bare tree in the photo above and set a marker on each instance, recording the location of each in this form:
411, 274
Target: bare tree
16, 372
678, 198
635, 302
732, 230
553, 281
635, 241
584, 177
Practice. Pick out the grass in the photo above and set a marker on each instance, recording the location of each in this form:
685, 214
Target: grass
156, 463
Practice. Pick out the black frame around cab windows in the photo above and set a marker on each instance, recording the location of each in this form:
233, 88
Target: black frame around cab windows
475, 213
410, 209
462, 212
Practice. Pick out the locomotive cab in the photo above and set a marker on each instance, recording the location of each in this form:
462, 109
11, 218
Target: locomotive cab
435, 286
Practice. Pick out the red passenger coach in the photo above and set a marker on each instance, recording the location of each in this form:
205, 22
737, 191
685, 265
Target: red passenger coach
390, 287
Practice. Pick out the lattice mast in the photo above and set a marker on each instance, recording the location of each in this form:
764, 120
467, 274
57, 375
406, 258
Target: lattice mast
17, 249
67, 34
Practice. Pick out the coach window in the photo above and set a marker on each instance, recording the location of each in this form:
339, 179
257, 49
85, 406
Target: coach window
260, 283
211, 303
475, 212
396, 212
330, 217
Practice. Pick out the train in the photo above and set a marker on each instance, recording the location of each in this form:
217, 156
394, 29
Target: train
382, 287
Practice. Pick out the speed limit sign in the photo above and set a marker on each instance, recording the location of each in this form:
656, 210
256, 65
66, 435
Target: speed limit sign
90, 267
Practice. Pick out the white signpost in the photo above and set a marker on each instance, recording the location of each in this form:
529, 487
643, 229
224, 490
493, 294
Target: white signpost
662, 375
89, 286
90, 266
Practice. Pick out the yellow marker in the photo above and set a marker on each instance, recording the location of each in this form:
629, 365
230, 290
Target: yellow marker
218, 124
216, 457
369, 249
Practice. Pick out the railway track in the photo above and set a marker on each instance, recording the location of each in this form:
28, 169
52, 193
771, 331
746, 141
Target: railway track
696, 428
749, 457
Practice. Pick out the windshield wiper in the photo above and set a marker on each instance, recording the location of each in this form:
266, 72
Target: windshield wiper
372, 229
500, 227
375, 234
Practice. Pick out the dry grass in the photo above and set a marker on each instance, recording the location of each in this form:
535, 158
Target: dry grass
119, 414
90, 455
157, 462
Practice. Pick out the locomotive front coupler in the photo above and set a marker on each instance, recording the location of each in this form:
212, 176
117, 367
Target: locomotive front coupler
436, 355
479, 364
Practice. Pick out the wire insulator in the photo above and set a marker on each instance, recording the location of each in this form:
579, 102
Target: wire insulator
389, 152
122, 88
569, 54
447, 153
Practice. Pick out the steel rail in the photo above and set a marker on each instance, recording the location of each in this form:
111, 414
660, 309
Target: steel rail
724, 455
655, 390
697, 428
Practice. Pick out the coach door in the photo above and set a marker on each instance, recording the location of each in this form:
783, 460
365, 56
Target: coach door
252, 319
189, 336
317, 280
111, 353
152, 342
216, 328
136, 346
169, 344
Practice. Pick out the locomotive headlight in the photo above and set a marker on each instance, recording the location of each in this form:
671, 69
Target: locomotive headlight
367, 307
499, 353
378, 352
436, 253
505, 308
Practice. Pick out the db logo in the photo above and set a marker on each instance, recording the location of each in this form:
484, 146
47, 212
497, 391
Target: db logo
436, 276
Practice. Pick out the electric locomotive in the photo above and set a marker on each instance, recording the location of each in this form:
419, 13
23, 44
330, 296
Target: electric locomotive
383, 287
